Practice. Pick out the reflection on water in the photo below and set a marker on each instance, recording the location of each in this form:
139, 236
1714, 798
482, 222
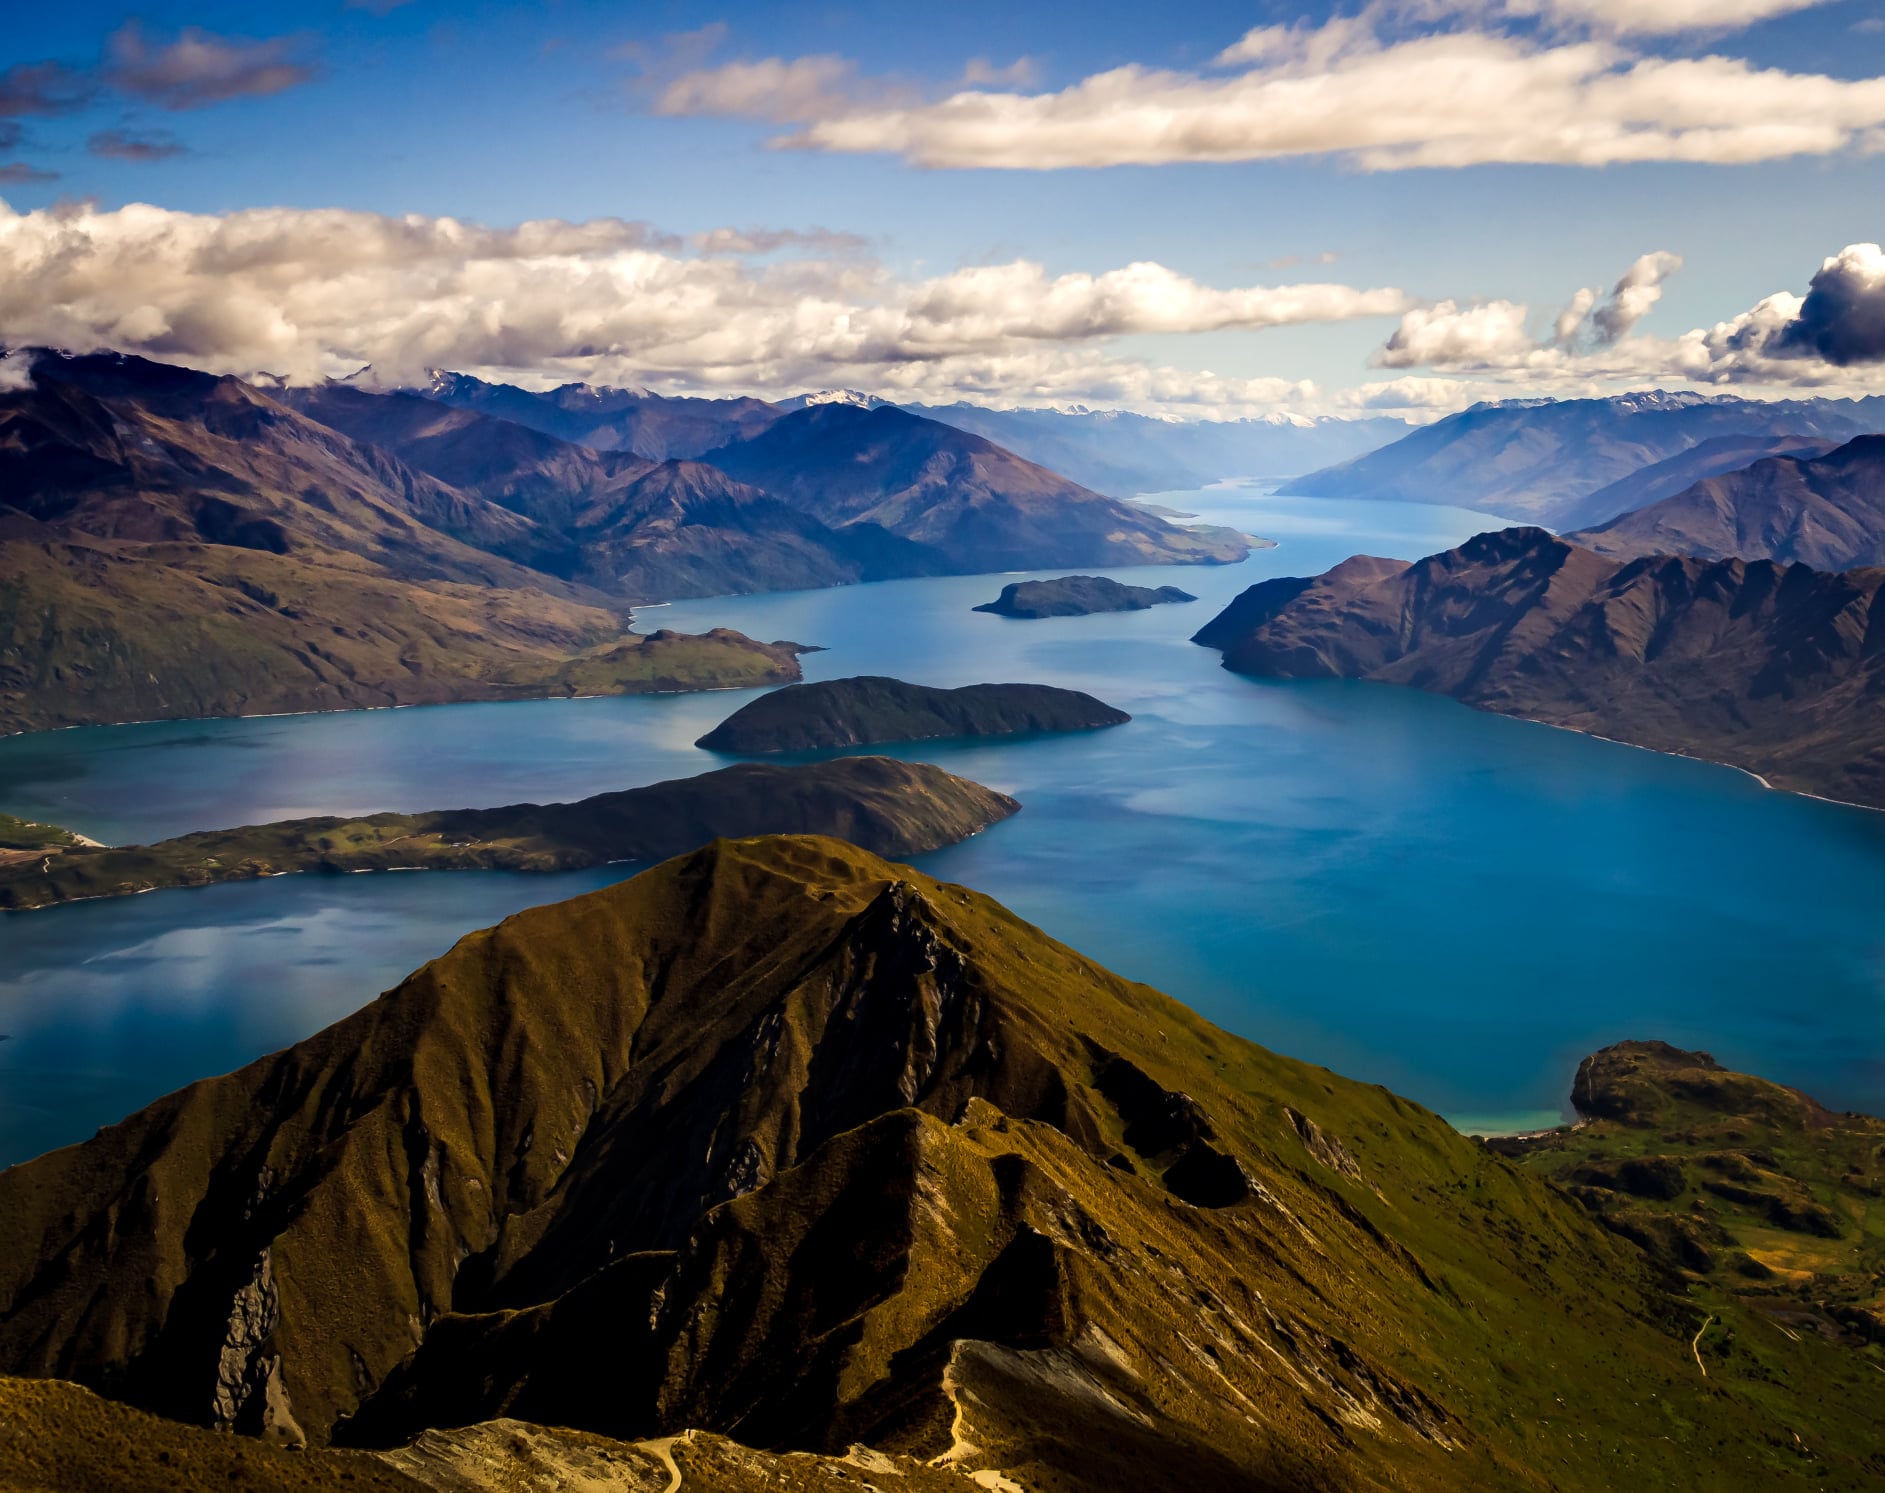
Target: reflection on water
1413, 893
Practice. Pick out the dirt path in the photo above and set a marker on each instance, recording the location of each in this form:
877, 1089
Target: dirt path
1695, 1347
664, 1449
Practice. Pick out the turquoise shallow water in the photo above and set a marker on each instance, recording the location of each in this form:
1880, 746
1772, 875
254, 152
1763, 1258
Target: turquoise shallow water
1450, 903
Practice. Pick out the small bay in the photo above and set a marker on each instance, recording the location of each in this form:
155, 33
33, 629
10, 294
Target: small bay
1413, 893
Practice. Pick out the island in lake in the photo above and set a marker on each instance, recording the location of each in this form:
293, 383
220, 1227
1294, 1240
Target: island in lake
871, 708
893, 808
1078, 596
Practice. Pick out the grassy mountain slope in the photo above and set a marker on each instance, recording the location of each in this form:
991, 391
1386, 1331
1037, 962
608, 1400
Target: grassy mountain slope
1824, 510
98, 630
1752, 1190
1776, 669
892, 808
981, 506
782, 1139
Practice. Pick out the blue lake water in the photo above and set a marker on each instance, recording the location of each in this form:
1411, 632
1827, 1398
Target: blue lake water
1453, 904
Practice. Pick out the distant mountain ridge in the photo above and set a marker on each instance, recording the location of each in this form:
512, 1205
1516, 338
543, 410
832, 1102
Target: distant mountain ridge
1115, 452
1778, 669
1543, 460
981, 506
1824, 508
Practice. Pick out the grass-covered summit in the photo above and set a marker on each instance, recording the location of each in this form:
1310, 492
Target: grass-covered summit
782, 1140
870, 708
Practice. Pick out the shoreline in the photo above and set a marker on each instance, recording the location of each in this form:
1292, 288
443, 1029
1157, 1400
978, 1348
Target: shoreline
1747, 772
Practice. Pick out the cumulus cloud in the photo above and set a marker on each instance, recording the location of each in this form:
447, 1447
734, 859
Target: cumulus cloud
1632, 296
1841, 320
199, 68
1352, 88
311, 293
1833, 336
134, 145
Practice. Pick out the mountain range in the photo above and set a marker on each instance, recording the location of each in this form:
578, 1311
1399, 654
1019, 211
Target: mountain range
1110, 451
175, 544
1778, 669
782, 1141
1547, 461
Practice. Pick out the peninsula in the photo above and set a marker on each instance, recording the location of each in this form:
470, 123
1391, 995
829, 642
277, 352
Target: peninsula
895, 808
1775, 669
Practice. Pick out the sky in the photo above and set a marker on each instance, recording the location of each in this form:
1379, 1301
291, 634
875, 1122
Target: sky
1216, 210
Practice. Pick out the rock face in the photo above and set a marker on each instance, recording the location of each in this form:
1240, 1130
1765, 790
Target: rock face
1824, 510
870, 708
1077, 596
782, 1139
1777, 669
959, 495
1542, 460
888, 807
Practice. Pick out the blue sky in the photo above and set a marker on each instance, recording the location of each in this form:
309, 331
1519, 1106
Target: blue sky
503, 113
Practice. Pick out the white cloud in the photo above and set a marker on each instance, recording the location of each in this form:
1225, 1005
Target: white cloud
16, 371
1352, 88
1833, 337
1448, 335
1664, 17
312, 293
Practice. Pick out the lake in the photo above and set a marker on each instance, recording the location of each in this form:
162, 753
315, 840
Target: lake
1453, 904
